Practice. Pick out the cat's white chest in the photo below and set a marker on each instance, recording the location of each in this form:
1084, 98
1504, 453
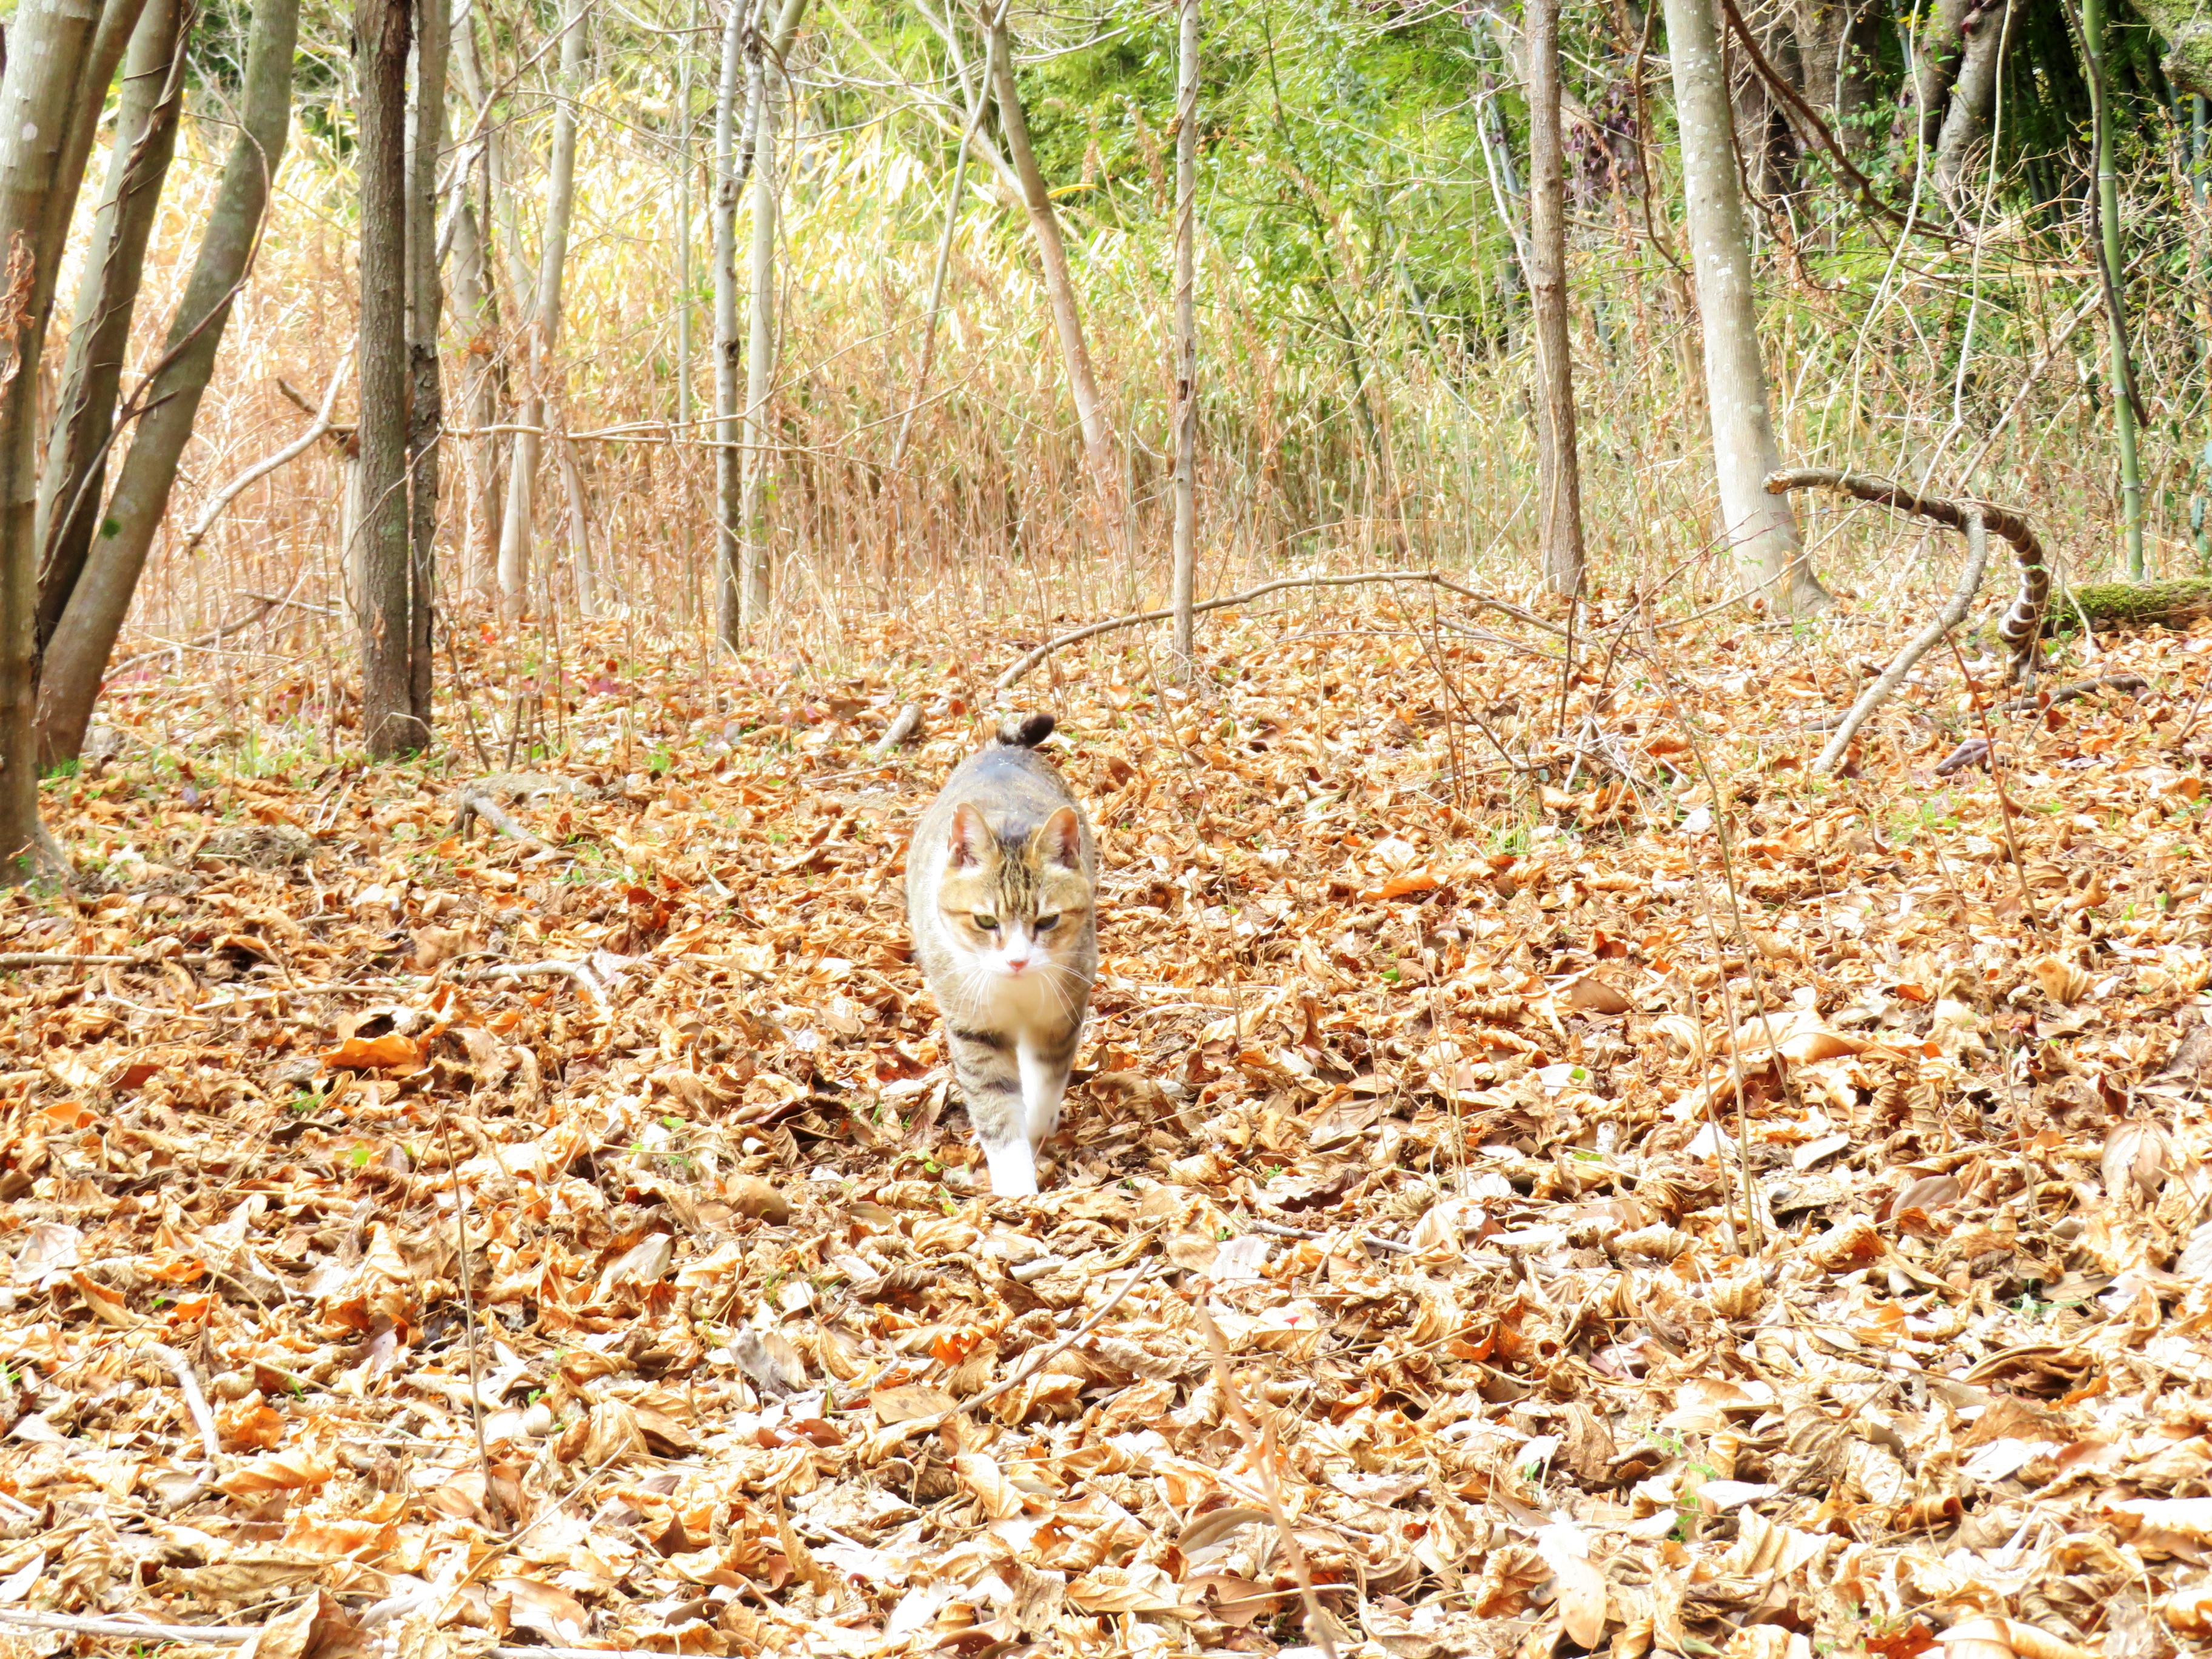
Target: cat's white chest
1025, 1003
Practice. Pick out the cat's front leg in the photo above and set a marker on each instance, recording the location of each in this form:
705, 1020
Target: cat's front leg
1044, 1066
994, 1088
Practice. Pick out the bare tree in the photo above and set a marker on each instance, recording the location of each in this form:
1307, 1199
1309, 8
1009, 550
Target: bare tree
545, 323
1560, 490
425, 303
1987, 31
729, 473
45, 90
1760, 527
1185, 329
1060, 289
760, 333
169, 401
77, 446
476, 320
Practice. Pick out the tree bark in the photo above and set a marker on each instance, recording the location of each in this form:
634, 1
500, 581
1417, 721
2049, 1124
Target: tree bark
425, 303
760, 343
1973, 96
382, 29
1560, 487
77, 444
1936, 52
77, 655
1185, 333
43, 92
1060, 289
515, 533
1759, 528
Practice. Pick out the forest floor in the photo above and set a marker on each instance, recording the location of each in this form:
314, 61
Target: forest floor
1397, 1239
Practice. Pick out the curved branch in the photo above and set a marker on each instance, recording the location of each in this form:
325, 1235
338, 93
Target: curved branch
263, 468
2022, 625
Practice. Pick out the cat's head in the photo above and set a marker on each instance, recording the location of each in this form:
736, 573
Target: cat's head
1016, 909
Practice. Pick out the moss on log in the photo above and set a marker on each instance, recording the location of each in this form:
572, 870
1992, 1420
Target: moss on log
2134, 605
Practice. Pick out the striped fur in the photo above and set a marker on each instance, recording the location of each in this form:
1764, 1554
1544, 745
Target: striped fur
1000, 884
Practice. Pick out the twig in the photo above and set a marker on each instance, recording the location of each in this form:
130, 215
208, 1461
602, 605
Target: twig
1318, 1621
261, 469
195, 1402
231, 1635
495, 1506
1885, 687
2023, 626
2004, 796
1138, 619
901, 730
2067, 693
64, 959
1276, 1230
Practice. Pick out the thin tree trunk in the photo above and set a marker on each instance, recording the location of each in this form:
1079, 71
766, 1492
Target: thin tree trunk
47, 85
1760, 527
2114, 271
476, 321
1936, 53
1185, 333
1060, 289
1973, 96
1561, 493
381, 40
77, 655
99, 333
544, 320
684, 225
760, 343
425, 303
579, 531
729, 473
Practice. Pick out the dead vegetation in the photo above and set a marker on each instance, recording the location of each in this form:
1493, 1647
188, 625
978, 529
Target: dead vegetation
1546, 1172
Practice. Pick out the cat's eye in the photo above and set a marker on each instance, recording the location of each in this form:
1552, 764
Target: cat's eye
1046, 924
989, 924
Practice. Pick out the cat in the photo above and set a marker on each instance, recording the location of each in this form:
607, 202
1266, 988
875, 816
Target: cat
1000, 889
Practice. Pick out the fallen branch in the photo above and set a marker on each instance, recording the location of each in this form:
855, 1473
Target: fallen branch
195, 1401
1885, 686
64, 959
2022, 625
474, 803
903, 728
1092, 630
578, 973
261, 469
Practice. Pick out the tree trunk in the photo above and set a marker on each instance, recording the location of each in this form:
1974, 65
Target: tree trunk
2187, 26
579, 531
476, 322
1561, 491
544, 320
729, 470
1936, 53
760, 343
381, 42
77, 655
1185, 333
2115, 268
1973, 97
44, 91
425, 303
1060, 289
1760, 527
99, 333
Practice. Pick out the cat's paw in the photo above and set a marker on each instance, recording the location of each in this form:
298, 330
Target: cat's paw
1013, 1169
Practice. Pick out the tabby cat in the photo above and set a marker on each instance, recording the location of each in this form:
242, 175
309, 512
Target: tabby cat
1000, 886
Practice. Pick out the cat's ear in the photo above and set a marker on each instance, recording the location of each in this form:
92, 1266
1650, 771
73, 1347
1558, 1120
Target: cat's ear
971, 836
1059, 840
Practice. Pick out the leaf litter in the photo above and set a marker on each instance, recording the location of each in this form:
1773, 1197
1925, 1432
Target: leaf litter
1545, 1174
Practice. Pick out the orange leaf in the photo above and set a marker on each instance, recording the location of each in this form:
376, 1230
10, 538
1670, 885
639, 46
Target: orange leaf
390, 1052
1414, 881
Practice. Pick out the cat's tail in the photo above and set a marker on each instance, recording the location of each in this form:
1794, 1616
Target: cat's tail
1026, 730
